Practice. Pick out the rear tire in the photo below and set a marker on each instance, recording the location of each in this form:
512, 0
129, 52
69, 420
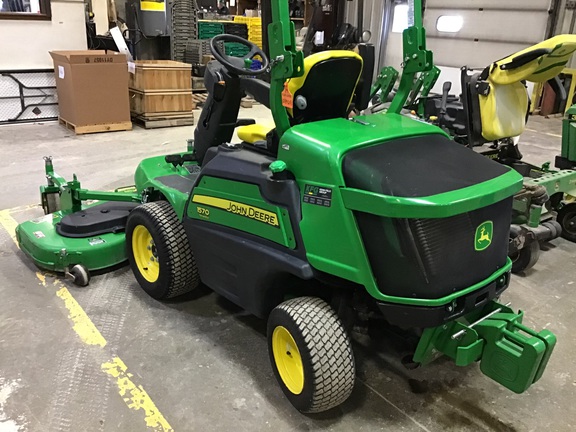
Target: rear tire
311, 354
158, 251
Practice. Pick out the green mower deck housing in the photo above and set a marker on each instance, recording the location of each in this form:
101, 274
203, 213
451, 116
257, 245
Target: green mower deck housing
63, 237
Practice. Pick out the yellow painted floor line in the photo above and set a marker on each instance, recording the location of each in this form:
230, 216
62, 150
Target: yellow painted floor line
135, 397
21, 208
83, 325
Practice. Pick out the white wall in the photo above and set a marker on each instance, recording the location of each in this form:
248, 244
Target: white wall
100, 9
25, 44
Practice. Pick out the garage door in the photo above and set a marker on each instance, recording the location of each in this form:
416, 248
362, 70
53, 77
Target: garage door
477, 32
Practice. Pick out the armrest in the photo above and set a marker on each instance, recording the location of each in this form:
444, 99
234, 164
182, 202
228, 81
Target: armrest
525, 58
258, 89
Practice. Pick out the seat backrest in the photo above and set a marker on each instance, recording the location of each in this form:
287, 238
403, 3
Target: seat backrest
327, 87
503, 111
499, 98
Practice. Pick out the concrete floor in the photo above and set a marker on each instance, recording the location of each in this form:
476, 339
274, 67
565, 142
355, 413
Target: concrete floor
201, 364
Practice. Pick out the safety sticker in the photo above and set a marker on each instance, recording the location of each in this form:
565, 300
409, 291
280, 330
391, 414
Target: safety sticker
39, 234
96, 241
46, 218
317, 195
287, 98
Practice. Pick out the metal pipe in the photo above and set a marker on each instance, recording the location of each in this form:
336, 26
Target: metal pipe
385, 26
478, 321
360, 18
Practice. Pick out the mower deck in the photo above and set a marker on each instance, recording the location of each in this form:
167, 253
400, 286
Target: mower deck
97, 245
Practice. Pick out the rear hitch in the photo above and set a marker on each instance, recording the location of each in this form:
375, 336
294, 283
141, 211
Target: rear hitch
509, 352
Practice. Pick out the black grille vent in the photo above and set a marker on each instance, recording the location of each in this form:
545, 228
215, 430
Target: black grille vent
432, 258
432, 236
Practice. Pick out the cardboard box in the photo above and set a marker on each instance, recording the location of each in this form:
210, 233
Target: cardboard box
92, 87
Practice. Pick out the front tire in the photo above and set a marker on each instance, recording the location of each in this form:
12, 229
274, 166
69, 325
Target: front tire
158, 251
311, 354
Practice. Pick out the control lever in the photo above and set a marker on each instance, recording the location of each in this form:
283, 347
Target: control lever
245, 122
189, 157
178, 160
443, 104
175, 160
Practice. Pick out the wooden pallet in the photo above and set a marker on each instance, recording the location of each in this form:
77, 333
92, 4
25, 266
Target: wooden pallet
160, 101
198, 84
247, 102
164, 115
186, 119
95, 128
199, 99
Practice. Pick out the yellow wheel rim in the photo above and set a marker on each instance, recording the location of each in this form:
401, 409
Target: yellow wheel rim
145, 255
288, 360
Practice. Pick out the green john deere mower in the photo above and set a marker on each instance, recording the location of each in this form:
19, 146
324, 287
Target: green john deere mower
318, 224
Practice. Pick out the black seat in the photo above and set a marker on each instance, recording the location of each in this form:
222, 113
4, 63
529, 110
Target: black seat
327, 87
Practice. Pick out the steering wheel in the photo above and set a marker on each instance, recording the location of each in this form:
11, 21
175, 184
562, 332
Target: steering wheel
238, 65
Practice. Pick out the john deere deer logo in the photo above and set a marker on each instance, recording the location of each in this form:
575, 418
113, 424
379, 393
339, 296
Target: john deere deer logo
483, 237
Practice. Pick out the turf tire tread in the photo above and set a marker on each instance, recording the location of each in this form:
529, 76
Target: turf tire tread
330, 351
184, 275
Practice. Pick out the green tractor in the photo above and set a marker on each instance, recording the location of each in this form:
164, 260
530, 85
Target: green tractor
322, 223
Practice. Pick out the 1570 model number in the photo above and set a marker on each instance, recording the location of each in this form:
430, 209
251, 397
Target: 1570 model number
203, 212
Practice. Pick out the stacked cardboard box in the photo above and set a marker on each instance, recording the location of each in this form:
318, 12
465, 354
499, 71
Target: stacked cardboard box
161, 93
92, 90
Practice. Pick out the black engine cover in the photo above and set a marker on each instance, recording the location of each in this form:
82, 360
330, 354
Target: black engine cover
427, 258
